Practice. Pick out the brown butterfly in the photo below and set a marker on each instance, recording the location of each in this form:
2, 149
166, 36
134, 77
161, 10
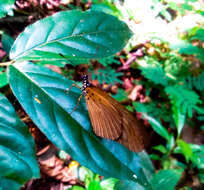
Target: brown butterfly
111, 120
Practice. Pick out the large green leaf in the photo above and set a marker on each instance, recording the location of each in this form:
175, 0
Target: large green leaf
130, 185
42, 94
17, 152
75, 34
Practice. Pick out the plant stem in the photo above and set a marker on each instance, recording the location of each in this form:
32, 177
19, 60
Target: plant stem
6, 63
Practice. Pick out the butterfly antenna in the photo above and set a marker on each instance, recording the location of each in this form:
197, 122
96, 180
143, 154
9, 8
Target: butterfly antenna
79, 99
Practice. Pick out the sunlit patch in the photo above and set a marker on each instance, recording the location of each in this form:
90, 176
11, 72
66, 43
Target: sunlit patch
135, 176
73, 164
37, 100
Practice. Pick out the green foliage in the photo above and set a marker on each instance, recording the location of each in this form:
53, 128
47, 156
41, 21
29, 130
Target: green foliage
3, 78
185, 149
195, 82
93, 182
71, 133
108, 75
163, 8
166, 179
79, 37
179, 118
195, 33
85, 35
42, 92
6, 7
191, 152
155, 73
155, 109
181, 97
165, 70
121, 95
175, 65
107, 7
158, 128
109, 60
17, 159
7, 42
187, 48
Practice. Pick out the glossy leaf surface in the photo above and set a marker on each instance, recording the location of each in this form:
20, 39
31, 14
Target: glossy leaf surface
158, 128
166, 179
75, 34
3, 78
17, 152
45, 100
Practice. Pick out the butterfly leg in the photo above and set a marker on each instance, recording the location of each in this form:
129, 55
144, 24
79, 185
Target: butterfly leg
79, 99
73, 85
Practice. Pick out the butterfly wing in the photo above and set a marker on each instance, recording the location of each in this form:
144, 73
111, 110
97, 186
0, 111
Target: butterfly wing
112, 121
105, 118
134, 135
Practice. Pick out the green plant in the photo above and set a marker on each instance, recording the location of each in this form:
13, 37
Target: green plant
3, 78
6, 7
169, 73
18, 160
108, 75
195, 82
42, 92
93, 182
164, 8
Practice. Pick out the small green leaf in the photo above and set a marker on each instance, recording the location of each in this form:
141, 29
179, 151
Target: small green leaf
108, 184
94, 185
155, 157
3, 78
171, 142
186, 149
17, 149
179, 119
75, 34
85, 173
166, 179
160, 148
76, 187
158, 128
121, 95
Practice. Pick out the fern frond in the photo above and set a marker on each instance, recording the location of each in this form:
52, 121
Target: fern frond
108, 75
184, 98
196, 82
109, 60
155, 73
154, 109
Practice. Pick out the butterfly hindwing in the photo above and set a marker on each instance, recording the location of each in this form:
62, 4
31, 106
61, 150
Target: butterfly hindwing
112, 121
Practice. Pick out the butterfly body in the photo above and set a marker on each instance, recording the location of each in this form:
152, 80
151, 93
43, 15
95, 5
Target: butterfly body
111, 120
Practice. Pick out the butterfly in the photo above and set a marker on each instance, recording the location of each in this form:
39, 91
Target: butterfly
111, 120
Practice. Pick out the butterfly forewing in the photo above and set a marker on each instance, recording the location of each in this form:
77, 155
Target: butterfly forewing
112, 121
105, 118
